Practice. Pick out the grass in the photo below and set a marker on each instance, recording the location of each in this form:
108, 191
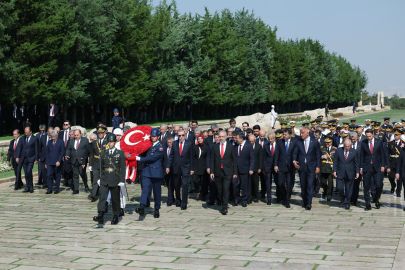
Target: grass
11, 173
396, 115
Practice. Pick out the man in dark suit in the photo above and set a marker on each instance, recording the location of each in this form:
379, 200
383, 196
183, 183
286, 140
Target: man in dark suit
43, 144
372, 167
54, 154
223, 168
262, 141
183, 167
211, 140
65, 137
167, 171
317, 180
170, 130
232, 124
52, 113
284, 167
246, 162
307, 160
28, 153
2, 119
188, 133
319, 138
212, 182
11, 154
78, 152
258, 166
163, 135
337, 138
269, 148
97, 146
356, 145
41, 164
360, 136
345, 169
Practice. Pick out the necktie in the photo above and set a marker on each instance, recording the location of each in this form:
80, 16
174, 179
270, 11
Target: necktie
47, 139
27, 140
181, 147
371, 150
15, 146
196, 142
65, 138
345, 155
240, 149
77, 144
53, 143
272, 149
222, 154
168, 152
305, 146
162, 137
286, 148
359, 138
14, 114
261, 142
52, 111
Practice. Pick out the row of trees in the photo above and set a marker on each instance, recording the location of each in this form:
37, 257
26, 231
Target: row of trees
123, 53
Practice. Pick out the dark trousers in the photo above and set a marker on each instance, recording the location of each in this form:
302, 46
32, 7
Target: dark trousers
181, 181
307, 184
275, 177
391, 177
400, 182
95, 186
241, 182
115, 199
254, 186
41, 176
149, 184
198, 182
28, 173
170, 187
51, 121
345, 189
78, 170
327, 184
269, 176
286, 184
317, 182
205, 184
17, 172
214, 195
50, 171
371, 178
263, 184
222, 184
356, 188
67, 171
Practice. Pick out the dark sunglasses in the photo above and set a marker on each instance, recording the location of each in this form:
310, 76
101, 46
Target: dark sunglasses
181, 135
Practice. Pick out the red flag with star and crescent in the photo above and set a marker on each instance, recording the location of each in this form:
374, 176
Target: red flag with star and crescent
135, 142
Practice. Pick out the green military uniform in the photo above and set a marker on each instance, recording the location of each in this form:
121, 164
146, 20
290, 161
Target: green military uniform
394, 151
97, 146
112, 174
327, 171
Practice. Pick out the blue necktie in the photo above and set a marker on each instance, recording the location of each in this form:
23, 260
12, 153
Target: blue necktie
286, 151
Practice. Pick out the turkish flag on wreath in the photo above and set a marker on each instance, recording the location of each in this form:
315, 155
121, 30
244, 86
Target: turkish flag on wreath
135, 142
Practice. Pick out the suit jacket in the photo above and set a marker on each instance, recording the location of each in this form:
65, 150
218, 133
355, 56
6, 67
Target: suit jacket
190, 136
43, 147
55, 153
200, 160
209, 140
346, 168
61, 136
258, 154
313, 156
29, 151
186, 160
209, 152
81, 154
282, 159
268, 158
228, 161
11, 152
378, 155
164, 141
246, 159
321, 142
336, 140
55, 111
401, 164
264, 142
167, 159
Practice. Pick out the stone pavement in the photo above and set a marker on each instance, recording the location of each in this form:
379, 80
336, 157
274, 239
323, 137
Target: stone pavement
41, 231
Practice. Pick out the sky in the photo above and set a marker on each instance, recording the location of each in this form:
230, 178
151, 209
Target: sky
368, 33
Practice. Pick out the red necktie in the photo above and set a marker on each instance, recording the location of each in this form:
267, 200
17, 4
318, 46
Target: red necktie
181, 147
261, 143
371, 150
359, 138
53, 143
222, 155
346, 156
240, 149
77, 144
162, 137
196, 142
272, 149
15, 146
52, 111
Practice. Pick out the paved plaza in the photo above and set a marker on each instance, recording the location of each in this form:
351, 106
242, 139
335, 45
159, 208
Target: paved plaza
41, 231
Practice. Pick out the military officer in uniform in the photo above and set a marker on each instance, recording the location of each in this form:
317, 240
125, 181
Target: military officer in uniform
394, 151
152, 174
112, 177
327, 155
97, 146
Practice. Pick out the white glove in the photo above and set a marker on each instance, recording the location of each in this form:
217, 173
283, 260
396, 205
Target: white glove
121, 184
91, 168
98, 182
138, 158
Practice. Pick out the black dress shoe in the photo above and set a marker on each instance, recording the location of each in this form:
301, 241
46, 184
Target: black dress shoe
328, 200
235, 204
122, 212
368, 208
91, 198
66, 184
263, 196
31, 190
86, 189
210, 203
38, 183
392, 190
341, 204
114, 221
268, 202
308, 207
287, 205
45, 186
373, 200
156, 214
347, 207
129, 181
224, 211
49, 192
16, 188
178, 204
256, 200
99, 218
140, 210
106, 207
354, 203
244, 204
56, 192
184, 207
169, 204
203, 198
377, 204
76, 192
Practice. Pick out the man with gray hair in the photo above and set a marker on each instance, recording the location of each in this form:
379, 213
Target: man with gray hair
188, 132
211, 140
163, 135
197, 132
54, 154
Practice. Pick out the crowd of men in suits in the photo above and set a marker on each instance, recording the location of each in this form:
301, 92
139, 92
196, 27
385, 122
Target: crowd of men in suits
233, 165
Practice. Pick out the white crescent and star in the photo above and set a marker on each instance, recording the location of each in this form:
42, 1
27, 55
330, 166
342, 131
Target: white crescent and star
127, 142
